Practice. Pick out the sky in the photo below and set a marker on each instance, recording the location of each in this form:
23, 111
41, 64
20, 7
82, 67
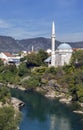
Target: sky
33, 18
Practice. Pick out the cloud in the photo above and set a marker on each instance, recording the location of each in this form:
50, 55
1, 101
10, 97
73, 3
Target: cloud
4, 24
21, 33
20, 29
70, 37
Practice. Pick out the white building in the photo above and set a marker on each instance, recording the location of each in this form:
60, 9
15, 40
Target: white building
8, 58
60, 55
63, 54
48, 51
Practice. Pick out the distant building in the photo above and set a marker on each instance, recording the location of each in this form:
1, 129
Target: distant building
48, 51
8, 58
23, 54
61, 55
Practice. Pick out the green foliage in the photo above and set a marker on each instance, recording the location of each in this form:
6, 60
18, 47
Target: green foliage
17, 80
32, 82
69, 77
41, 56
80, 92
8, 77
23, 70
77, 55
32, 60
51, 70
69, 68
11, 68
9, 119
36, 59
39, 70
8, 74
4, 94
1, 66
1, 63
74, 81
12, 74
23, 59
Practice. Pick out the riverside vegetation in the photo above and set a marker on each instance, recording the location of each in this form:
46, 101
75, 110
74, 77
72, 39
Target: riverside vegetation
33, 73
9, 117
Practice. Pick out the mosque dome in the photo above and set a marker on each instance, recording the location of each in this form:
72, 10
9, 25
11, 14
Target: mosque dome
64, 46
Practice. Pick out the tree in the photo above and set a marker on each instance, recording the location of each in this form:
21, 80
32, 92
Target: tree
1, 66
4, 95
32, 60
9, 119
23, 70
32, 82
1, 63
11, 68
36, 59
77, 57
42, 55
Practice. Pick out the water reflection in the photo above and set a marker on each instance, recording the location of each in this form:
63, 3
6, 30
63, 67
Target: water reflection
53, 122
43, 114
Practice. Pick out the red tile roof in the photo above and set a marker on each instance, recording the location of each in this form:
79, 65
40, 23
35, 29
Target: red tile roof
8, 54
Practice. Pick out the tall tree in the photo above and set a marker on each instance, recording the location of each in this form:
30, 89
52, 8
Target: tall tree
77, 57
8, 119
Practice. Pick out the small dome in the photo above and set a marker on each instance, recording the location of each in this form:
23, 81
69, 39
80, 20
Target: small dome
64, 46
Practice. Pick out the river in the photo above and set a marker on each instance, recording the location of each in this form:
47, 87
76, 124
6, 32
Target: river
40, 113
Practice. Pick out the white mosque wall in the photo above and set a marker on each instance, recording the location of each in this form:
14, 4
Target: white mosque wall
62, 57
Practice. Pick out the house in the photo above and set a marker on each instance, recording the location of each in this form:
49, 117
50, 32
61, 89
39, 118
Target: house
8, 58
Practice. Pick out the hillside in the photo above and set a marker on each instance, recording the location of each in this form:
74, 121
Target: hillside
44, 43
10, 44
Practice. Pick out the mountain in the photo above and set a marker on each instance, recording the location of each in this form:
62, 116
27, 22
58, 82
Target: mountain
37, 43
44, 43
10, 44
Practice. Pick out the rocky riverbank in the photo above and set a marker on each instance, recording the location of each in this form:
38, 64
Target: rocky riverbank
15, 86
51, 93
79, 112
17, 104
52, 90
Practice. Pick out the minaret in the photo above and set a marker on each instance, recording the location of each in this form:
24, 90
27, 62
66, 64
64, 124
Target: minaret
53, 45
32, 48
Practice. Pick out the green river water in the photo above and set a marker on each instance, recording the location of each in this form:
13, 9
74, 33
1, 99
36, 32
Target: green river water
40, 113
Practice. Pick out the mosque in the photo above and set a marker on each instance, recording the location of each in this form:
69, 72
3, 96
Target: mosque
60, 55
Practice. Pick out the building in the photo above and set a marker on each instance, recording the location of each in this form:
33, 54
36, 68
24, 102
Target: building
60, 55
8, 58
48, 51
63, 54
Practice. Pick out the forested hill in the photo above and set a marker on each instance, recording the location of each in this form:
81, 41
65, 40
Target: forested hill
10, 44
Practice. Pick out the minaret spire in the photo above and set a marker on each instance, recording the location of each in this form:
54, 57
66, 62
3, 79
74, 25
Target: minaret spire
53, 45
53, 28
32, 48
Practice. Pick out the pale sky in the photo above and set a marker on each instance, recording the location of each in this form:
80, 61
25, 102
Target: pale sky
33, 18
